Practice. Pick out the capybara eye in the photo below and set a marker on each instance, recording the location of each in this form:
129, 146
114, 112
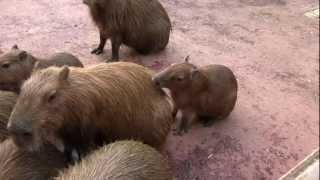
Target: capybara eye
179, 78
5, 66
51, 97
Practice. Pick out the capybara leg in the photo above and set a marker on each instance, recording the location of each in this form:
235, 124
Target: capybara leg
186, 118
102, 43
115, 43
72, 154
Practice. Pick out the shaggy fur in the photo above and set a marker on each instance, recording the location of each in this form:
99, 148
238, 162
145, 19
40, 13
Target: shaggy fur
141, 24
122, 160
17, 65
7, 101
205, 92
74, 108
17, 164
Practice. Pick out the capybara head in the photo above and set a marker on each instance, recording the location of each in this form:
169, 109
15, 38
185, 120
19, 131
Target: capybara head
39, 109
176, 76
15, 67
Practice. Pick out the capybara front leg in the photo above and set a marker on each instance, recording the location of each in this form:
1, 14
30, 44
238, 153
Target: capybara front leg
99, 49
115, 43
187, 117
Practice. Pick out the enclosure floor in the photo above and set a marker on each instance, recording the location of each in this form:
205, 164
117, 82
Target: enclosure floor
269, 44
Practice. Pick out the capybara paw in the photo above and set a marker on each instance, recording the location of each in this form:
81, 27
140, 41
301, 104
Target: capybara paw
208, 123
97, 51
177, 132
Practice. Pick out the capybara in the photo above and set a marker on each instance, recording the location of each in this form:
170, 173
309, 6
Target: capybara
17, 65
7, 101
77, 108
121, 160
208, 92
19, 164
141, 24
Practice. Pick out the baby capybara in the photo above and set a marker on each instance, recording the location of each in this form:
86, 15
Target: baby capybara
77, 108
208, 92
121, 160
7, 101
141, 24
17, 65
18, 164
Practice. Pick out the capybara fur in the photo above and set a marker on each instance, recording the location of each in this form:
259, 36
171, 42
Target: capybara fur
7, 102
208, 92
121, 160
17, 65
77, 108
18, 164
141, 24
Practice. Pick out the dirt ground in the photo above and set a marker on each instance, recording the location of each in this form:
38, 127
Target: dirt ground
271, 47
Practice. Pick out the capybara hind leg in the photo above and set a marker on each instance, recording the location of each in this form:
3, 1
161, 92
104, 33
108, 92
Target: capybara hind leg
99, 49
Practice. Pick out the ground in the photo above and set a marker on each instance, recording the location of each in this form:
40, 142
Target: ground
269, 44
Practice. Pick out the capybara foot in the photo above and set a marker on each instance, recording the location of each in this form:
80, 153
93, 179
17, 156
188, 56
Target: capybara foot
97, 51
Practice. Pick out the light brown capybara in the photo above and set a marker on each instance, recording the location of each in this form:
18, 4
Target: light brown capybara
208, 92
18, 164
17, 65
141, 24
7, 101
121, 160
77, 108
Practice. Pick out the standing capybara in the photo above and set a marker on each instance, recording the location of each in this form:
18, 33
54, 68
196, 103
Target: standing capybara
121, 160
141, 24
18, 164
77, 108
17, 65
7, 101
209, 91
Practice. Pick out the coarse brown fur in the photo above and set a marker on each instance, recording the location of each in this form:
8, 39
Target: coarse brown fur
74, 108
209, 91
17, 65
141, 24
122, 160
7, 101
18, 164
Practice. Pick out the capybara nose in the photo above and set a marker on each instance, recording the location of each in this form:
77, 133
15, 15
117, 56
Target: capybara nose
19, 130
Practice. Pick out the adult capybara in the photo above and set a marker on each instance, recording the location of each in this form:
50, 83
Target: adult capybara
121, 160
17, 65
209, 91
18, 164
77, 108
141, 24
7, 101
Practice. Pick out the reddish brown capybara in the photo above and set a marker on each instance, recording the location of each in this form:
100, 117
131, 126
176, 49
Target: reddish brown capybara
208, 92
17, 65
18, 164
141, 24
121, 160
77, 108
7, 101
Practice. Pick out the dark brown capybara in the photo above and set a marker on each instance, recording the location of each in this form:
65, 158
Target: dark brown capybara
208, 92
17, 65
7, 102
121, 160
141, 24
18, 164
77, 108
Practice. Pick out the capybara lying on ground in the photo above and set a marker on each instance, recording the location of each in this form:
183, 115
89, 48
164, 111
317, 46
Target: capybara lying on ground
122, 160
209, 91
7, 101
77, 108
141, 24
17, 65
18, 164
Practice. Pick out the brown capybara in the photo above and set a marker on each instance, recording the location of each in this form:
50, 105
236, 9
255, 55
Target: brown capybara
208, 92
18, 164
121, 160
7, 101
17, 65
141, 24
77, 108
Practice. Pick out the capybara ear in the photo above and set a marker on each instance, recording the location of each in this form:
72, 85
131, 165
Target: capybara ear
15, 47
23, 55
194, 72
64, 73
186, 59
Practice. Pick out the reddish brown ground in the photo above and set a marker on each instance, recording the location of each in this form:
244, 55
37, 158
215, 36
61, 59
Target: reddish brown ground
272, 48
